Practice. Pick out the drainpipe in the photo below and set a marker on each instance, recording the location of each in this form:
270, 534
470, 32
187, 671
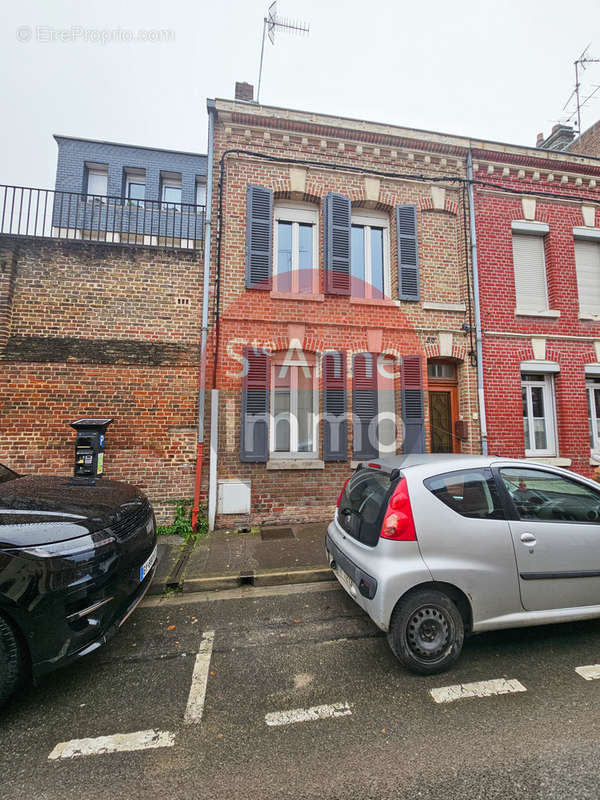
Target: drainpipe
205, 299
478, 338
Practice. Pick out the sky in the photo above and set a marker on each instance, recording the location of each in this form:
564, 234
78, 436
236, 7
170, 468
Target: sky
140, 71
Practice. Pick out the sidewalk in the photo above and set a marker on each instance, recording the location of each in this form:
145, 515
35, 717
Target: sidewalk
223, 560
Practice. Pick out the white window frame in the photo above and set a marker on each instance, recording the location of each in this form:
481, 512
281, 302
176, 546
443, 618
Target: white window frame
538, 235
172, 181
134, 177
374, 219
546, 383
200, 192
590, 386
95, 170
297, 214
293, 452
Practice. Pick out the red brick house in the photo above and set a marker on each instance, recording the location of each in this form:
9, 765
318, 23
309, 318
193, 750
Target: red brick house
340, 268
538, 239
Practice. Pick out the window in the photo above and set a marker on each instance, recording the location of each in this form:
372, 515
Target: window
295, 250
537, 393
369, 255
373, 405
441, 370
530, 272
97, 181
362, 504
171, 191
593, 393
294, 408
200, 192
135, 187
540, 495
587, 262
471, 493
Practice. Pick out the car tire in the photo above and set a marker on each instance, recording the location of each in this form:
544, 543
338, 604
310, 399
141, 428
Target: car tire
11, 661
426, 632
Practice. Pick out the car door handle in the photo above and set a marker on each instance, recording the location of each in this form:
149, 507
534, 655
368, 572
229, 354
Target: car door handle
528, 538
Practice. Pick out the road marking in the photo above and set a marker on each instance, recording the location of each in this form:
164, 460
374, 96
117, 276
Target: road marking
589, 673
117, 743
307, 714
195, 703
460, 691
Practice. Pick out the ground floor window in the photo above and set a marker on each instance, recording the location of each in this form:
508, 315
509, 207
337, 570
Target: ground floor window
593, 394
539, 428
294, 408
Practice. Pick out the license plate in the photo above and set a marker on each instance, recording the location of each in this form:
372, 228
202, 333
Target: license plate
346, 581
148, 564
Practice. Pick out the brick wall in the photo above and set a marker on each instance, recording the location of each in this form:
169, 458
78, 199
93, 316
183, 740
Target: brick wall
100, 330
328, 321
588, 144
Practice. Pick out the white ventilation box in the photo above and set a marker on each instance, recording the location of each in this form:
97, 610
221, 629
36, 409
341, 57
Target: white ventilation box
233, 497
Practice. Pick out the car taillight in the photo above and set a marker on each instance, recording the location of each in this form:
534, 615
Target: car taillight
398, 523
342, 492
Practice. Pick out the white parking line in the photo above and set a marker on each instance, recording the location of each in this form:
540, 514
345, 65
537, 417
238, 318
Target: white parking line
195, 703
589, 673
307, 714
460, 691
117, 743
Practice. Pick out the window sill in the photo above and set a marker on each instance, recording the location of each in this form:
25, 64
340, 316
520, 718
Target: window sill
372, 301
590, 317
444, 306
553, 461
523, 312
315, 298
595, 460
295, 463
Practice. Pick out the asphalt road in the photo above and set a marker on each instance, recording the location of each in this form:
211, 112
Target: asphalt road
275, 650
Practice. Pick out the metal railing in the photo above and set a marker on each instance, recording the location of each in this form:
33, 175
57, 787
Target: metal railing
54, 214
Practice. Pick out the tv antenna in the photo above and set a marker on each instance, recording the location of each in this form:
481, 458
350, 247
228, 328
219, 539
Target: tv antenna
271, 23
581, 65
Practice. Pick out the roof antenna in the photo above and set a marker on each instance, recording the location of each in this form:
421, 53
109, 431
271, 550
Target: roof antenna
270, 23
581, 63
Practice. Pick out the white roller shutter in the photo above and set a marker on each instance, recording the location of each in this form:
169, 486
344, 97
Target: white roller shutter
587, 261
530, 272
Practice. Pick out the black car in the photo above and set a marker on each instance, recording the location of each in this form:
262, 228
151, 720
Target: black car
75, 560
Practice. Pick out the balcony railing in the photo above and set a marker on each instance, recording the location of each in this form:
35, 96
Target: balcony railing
110, 220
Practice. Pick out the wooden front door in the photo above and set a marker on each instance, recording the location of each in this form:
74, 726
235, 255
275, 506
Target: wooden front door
443, 406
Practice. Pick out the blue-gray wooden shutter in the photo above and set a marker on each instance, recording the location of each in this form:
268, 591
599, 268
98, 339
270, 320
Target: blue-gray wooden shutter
365, 443
259, 237
337, 222
254, 441
408, 253
413, 405
335, 425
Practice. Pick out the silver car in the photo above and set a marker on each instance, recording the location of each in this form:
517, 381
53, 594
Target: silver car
434, 548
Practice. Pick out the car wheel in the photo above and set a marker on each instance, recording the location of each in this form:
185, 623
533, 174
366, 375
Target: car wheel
11, 661
426, 632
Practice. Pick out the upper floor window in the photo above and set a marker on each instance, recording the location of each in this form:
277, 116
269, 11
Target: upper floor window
537, 392
587, 262
530, 272
171, 191
295, 263
97, 180
200, 192
135, 186
369, 255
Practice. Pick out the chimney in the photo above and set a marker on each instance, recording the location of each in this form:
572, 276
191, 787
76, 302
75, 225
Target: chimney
540, 140
244, 91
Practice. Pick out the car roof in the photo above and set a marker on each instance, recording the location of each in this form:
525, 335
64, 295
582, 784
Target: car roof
437, 460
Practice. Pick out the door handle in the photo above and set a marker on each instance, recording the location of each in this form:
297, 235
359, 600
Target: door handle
528, 538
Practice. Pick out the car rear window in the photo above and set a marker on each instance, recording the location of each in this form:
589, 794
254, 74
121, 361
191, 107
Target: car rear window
363, 503
469, 492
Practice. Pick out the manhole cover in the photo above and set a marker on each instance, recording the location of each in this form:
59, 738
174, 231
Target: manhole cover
276, 533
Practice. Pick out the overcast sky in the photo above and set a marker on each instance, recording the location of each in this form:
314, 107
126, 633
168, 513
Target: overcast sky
499, 70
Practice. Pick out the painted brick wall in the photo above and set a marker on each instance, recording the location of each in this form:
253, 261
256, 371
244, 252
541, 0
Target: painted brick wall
97, 330
569, 341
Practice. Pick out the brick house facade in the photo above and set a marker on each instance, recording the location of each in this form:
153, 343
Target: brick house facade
538, 239
284, 176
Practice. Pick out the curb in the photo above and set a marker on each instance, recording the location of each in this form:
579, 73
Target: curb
208, 583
